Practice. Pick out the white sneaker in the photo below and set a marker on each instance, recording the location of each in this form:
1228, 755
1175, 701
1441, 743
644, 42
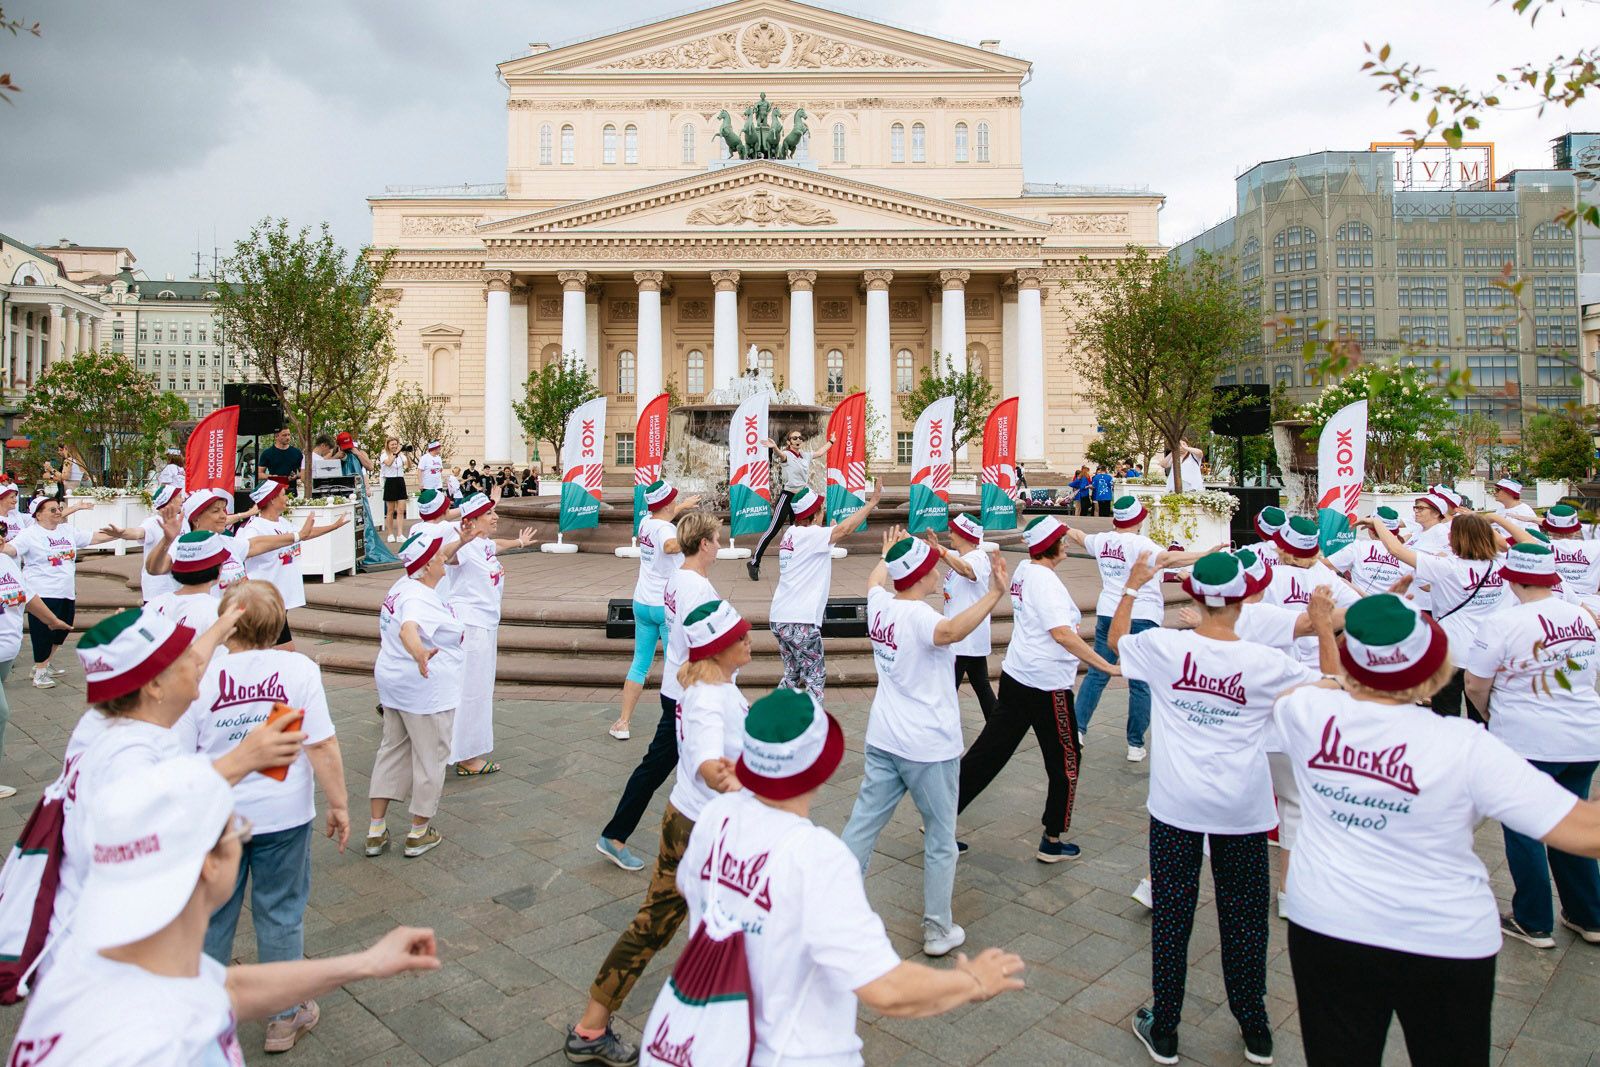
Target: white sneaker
1141, 893
1136, 753
57, 672
42, 679
7, 792
621, 734
942, 943
1083, 738
1283, 906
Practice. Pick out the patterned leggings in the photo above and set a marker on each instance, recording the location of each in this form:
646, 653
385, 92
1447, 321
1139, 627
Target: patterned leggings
659, 917
800, 648
1240, 873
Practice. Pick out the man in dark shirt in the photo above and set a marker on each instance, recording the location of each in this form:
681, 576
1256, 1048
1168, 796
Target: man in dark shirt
283, 461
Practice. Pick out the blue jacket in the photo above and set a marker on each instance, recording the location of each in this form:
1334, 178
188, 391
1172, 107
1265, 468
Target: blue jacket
1080, 487
1102, 486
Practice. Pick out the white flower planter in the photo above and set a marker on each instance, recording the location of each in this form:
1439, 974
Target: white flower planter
125, 511
1188, 525
1474, 488
1548, 494
332, 553
1145, 493
1401, 502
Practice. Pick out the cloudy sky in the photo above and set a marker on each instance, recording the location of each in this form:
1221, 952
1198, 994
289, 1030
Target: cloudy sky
157, 125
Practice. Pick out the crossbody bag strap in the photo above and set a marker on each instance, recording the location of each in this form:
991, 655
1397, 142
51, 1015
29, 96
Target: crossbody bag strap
1488, 570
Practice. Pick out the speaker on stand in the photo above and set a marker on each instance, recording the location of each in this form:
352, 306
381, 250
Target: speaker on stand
260, 413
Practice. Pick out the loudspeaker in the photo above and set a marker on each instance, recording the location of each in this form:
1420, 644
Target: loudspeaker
1246, 410
845, 616
619, 619
259, 410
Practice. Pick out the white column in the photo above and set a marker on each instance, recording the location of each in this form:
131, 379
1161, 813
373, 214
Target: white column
953, 335
725, 329
95, 328
6, 377
572, 315
72, 319
1030, 368
51, 350
879, 380
520, 295
802, 336
497, 368
649, 365
591, 327
1008, 338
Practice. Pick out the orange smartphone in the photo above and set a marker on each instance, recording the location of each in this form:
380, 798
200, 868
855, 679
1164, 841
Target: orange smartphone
278, 711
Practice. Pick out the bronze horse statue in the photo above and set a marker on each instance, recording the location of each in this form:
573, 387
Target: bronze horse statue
797, 132
736, 149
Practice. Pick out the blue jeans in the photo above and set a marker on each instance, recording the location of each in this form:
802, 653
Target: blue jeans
933, 788
278, 866
1532, 865
649, 627
1095, 684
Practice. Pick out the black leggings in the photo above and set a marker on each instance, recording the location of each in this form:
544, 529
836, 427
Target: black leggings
1448, 700
1348, 993
782, 515
1049, 714
45, 639
659, 760
976, 670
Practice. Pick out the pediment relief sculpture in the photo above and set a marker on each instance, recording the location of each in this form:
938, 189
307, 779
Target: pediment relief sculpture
762, 45
763, 209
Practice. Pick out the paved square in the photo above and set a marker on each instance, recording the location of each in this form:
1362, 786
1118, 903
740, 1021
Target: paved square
525, 909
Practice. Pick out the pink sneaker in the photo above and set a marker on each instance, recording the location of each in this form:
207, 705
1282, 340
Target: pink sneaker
283, 1033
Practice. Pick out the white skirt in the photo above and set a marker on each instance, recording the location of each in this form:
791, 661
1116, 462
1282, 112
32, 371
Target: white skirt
473, 734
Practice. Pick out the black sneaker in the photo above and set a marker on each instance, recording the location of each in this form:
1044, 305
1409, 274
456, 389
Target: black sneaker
1258, 1047
753, 569
607, 1049
1538, 939
1161, 1049
1055, 851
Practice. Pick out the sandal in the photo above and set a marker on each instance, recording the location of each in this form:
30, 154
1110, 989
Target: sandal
489, 767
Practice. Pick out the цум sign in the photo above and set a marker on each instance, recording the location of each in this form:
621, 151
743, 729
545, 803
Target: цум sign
1437, 166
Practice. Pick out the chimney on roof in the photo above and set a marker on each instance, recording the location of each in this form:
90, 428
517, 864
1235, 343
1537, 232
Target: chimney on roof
991, 45
536, 47
63, 243
170, 277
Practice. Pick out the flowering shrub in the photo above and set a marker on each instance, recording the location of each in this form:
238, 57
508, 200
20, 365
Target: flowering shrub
1408, 421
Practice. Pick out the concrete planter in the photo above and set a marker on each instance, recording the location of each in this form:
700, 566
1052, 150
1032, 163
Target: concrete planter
1548, 494
1401, 502
1145, 493
332, 553
125, 510
1474, 488
1177, 521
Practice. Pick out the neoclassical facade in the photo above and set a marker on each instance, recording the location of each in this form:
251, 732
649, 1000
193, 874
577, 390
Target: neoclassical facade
625, 236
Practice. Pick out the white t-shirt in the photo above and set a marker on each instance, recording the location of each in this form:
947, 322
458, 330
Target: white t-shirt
1522, 647
915, 714
1462, 596
51, 558
961, 593
14, 596
93, 1010
1265, 551
400, 684
1434, 540
171, 474
1391, 795
1211, 702
1578, 563
236, 696
805, 573
477, 582
1519, 511
1040, 603
655, 565
1115, 553
153, 585
195, 610
1193, 480
1268, 624
235, 568
452, 485
451, 533
797, 892
710, 726
1370, 566
1292, 588
16, 521
685, 591
430, 471
392, 466
281, 566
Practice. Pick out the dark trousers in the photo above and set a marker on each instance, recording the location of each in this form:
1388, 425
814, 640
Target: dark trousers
1348, 993
1243, 882
976, 671
1448, 700
659, 760
1532, 865
782, 515
45, 639
1103, 508
1049, 714
1085, 506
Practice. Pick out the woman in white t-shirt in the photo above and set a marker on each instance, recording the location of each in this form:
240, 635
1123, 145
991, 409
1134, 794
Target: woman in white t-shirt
659, 556
1390, 910
48, 550
814, 946
1532, 670
1300, 570
16, 600
965, 582
1368, 565
1189, 461
237, 693
794, 474
281, 566
1036, 680
393, 463
165, 502
197, 561
1211, 700
710, 738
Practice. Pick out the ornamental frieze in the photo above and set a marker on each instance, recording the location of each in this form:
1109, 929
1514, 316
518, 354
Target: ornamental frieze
733, 249
1107, 222
762, 45
763, 209
707, 107
436, 225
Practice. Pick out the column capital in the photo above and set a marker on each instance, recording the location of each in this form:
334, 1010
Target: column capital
876, 280
1030, 277
954, 279
726, 281
573, 281
649, 281
498, 281
802, 281
592, 292
520, 291
1008, 289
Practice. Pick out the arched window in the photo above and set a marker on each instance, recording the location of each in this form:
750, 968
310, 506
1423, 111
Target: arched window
697, 372
919, 143
765, 363
608, 144
569, 145
627, 367
688, 143
441, 371
1551, 231
904, 371
897, 143
838, 142
546, 145
961, 142
834, 366
630, 144
983, 142
1353, 231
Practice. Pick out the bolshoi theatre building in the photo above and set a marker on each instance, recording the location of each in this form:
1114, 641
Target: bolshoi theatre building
846, 197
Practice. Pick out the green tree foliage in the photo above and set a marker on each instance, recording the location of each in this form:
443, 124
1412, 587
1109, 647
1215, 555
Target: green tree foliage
1154, 336
974, 393
1558, 446
308, 319
1409, 423
416, 419
107, 410
552, 393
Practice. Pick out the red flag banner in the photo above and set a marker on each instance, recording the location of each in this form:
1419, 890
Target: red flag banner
210, 456
847, 457
999, 481
649, 450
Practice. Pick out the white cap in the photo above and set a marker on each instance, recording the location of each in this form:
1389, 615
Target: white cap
200, 498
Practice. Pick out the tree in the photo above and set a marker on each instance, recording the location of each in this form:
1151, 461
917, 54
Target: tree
415, 419
106, 409
1558, 446
7, 86
1409, 422
972, 389
552, 393
307, 318
1155, 336
1474, 433
357, 405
